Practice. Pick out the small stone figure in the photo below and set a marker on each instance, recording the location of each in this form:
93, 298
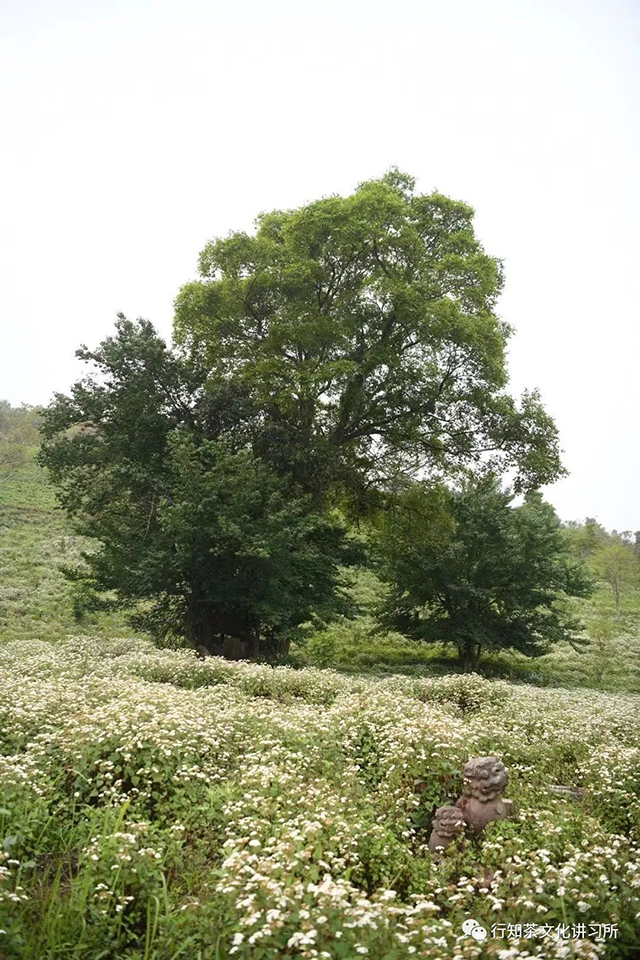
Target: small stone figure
448, 825
485, 781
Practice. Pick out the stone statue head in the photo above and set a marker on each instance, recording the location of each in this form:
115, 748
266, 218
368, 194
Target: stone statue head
485, 778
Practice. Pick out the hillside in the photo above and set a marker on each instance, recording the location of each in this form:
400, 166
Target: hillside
36, 541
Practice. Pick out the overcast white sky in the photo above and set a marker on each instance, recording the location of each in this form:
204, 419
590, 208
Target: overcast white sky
134, 131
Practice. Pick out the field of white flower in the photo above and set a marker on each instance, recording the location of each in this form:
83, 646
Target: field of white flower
154, 805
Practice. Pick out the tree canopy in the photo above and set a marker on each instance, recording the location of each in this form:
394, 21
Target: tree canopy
213, 543
466, 567
364, 330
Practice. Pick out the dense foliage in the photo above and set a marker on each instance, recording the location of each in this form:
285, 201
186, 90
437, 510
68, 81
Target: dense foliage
214, 544
364, 330
159, 806
468, 568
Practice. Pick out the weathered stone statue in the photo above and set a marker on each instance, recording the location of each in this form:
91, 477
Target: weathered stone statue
448, 825
485, 780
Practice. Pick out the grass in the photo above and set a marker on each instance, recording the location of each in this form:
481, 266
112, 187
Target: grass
35, 543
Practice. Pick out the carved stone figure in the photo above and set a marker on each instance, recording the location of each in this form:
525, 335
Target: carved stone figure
448, 825
485, 780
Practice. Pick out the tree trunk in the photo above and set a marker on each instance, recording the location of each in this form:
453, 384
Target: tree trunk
232, 635
273, 647
204, 633
240, 648
469, 653
226, 635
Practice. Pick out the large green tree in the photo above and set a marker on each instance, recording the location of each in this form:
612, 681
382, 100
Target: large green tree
467, 568
340, 347
195, 532
364, 330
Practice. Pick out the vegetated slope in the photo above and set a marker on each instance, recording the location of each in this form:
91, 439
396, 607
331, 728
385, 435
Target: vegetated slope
156, 805
611, 663
36, 602
35, 542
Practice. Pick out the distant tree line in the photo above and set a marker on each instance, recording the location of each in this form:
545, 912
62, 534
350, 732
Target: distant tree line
612, 558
